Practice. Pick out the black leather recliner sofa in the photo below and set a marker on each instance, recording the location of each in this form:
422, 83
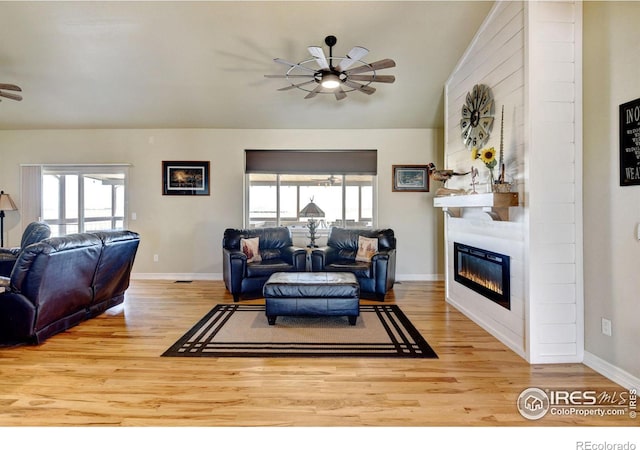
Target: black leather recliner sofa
62, 281
34, 232
376, 276
277, 253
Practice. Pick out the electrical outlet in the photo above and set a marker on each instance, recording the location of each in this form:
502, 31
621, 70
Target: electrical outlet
606, 327
156, 258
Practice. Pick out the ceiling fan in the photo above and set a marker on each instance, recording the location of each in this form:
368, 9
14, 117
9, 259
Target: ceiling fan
10, 87
333, 74
329, 181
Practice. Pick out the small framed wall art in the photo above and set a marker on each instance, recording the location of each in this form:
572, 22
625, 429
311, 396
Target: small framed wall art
411, 178
185, 177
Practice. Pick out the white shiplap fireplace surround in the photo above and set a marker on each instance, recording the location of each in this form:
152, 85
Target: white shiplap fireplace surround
529, 54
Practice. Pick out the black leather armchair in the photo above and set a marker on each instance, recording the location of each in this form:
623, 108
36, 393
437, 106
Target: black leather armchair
375, 277
277, 253
35, 232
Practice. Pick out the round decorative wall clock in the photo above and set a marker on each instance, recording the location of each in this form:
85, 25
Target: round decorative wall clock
477, 116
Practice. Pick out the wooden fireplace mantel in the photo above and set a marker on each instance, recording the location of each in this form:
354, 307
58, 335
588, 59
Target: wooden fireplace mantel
495, 204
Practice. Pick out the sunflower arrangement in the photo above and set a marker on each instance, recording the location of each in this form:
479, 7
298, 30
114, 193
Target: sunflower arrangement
488, 157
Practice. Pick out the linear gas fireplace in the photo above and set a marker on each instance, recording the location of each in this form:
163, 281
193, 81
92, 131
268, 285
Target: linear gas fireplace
483, 271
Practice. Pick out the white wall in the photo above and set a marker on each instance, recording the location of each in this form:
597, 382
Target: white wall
495, 58
528, 53
579, 226
612, 212
553, 177
186, 232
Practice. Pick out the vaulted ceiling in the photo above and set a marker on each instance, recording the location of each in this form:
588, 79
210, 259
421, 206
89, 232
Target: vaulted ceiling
125, 64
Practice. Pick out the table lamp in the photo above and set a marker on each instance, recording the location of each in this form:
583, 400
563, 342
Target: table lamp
311, 211
6, 204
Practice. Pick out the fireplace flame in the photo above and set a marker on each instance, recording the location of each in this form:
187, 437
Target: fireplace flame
489, 284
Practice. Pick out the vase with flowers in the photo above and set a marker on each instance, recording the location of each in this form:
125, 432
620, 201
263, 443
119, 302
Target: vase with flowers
488, 157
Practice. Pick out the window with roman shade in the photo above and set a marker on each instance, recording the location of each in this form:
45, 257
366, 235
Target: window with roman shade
281, 185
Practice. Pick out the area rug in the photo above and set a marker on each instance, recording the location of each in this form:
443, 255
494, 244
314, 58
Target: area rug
231, 330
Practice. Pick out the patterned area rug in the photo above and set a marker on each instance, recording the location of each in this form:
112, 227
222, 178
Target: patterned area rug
232, 330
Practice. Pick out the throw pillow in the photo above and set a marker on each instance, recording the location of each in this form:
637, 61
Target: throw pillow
367, 247
251, 248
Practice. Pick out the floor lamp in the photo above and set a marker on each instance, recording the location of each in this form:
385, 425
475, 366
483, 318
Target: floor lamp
6, 204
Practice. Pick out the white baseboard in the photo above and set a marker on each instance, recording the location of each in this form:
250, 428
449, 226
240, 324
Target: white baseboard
516, 347
420, 277
218, 276
614, 373
178, 276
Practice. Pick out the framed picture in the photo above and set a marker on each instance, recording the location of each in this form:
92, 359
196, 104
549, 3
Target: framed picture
630, 143
410, 178
185, 177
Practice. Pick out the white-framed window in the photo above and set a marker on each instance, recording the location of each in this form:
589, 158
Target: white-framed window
341, 184
279, 199
79, 198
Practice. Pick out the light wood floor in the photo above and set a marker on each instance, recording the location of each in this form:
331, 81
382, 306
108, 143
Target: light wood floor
108, 372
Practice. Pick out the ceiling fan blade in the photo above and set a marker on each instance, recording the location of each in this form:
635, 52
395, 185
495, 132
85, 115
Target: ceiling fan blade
287, 63
378, 78
355, 54
382, 64
10, 87
318, 54
291, 86
360, 87
289, 76
314, 92
11, 96
340, 94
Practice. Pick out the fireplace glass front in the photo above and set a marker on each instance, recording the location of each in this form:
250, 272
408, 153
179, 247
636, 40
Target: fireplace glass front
483, 271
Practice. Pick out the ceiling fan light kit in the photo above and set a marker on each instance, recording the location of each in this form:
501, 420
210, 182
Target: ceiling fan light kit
334, 75
330, 81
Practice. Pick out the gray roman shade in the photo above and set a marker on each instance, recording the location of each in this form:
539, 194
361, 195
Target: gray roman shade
363, 162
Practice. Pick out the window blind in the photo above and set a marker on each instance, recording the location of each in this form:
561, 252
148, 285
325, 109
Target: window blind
30, 194
312, 161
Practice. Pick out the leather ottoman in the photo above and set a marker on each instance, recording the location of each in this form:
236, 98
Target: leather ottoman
312, 294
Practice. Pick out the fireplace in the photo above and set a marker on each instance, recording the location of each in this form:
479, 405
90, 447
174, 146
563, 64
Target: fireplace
483, 271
